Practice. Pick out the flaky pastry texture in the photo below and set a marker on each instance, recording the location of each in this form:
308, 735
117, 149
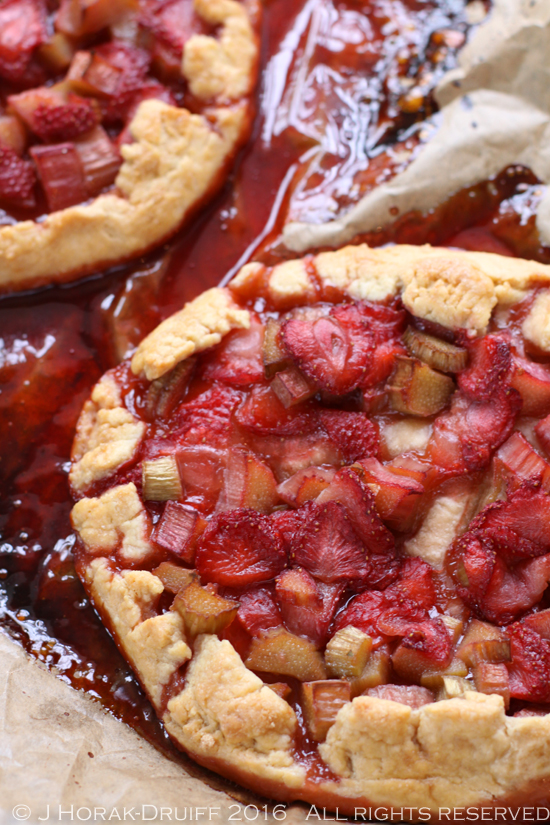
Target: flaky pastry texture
177, 160
450, 753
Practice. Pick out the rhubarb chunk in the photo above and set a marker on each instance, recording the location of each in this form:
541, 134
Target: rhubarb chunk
61, 174
203, 611
412, 695
347, 653
166, 393
416, 389
291, 387
179, 529
492, 678
377, 671
161, 479
174, 577
274, 355
437, 354
321, 702
279, 651
248, 483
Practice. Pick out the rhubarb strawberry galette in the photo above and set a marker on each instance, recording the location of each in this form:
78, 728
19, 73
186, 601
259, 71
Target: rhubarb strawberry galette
314, 512
118, 118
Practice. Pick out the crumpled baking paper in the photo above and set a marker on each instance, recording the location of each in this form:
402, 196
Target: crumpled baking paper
495, 113
64, 759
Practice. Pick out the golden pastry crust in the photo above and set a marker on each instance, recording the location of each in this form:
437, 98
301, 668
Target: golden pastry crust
115, 521
107, 436
202, 323
177, 160
450, 753
154, 644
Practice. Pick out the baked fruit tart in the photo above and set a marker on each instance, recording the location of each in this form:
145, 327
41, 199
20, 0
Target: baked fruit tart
313, 510
118, 119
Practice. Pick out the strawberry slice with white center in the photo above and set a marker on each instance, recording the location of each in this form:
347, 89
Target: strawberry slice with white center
352, 432
238, 548
327, 546
335, 351
465, 437
307, 606
490, 362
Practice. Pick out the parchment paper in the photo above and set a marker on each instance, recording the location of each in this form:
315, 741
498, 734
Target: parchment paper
495, 112
64, 759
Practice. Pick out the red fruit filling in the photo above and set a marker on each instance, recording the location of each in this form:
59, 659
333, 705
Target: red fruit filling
17, 178
335, 351
55, 124
239, 548
490, 360
281, 501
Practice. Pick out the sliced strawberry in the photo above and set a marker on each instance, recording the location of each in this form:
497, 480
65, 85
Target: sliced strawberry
415, 583
23, 27
532, 381
238, 548
363, 612
207, 418
530, 666
327, 546
307, 606
465, 437
263, 413
352, 432
55, 124
17, 179
348, 490
490, 362
519, 526
61, 174
335, 352
497, 591
385, 321
238, 360
258, 610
